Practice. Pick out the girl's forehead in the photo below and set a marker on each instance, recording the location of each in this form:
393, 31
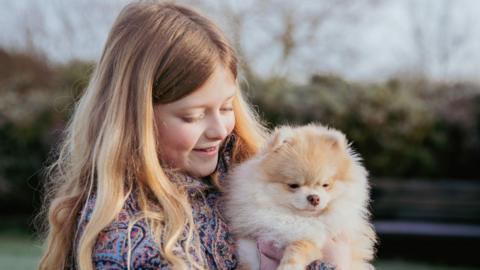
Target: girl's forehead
220, 87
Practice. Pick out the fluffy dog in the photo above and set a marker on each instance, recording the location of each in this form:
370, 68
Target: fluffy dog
303, 187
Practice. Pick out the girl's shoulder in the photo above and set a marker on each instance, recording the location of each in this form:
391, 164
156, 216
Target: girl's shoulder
128, 212
126, 240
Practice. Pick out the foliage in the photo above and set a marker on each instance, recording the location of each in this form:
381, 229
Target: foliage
35, 101
402, 128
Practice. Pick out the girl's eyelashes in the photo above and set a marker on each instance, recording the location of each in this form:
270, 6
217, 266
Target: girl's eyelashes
189, 120
195, 118
227, 109
192, 119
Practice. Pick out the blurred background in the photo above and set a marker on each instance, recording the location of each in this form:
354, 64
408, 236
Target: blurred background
399, 77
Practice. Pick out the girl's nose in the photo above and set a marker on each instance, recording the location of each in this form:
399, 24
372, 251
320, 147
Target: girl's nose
217, 130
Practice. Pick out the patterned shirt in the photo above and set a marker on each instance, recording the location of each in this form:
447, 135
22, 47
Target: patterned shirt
216, 242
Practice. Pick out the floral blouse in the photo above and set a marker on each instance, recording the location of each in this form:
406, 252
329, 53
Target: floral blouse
217, 243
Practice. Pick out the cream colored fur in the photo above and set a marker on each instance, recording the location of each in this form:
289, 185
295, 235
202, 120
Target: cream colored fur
261, 204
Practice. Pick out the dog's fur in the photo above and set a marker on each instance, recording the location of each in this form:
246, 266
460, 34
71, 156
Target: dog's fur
305, 186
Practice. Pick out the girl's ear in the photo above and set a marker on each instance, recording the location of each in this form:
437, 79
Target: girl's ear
279, 137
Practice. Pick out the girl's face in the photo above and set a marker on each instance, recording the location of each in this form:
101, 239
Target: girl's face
192, 128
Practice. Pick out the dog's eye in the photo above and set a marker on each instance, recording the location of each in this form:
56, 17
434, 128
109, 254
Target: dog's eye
325, 185
294, 186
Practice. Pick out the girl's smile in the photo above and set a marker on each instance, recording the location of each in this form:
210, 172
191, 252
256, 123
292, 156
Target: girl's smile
192, 128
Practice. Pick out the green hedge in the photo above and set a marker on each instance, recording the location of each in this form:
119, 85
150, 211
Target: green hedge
401, 127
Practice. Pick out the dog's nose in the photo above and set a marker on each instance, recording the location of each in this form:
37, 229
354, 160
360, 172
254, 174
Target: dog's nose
313, 199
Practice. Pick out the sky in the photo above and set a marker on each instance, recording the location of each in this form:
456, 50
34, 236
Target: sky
439, 38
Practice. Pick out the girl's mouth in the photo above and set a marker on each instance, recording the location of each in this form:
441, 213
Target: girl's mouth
209, 151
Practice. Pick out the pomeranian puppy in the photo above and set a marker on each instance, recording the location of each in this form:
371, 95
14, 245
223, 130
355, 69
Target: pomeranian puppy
303, 187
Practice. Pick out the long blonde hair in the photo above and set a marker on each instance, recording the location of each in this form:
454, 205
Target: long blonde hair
155, 53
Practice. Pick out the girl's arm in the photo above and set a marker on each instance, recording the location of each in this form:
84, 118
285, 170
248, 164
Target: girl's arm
111, 250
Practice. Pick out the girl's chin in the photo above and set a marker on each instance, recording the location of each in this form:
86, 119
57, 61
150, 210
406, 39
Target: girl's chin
202, 171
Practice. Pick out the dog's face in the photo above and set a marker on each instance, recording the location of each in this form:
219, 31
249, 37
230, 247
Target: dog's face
306, 168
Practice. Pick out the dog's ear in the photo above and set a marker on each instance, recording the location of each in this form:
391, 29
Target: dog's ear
335, 138
279, 137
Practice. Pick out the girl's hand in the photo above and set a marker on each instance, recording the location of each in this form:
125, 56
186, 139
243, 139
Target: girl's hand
270, 254
337, 252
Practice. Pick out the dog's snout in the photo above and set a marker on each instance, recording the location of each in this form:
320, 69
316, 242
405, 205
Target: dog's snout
313, 199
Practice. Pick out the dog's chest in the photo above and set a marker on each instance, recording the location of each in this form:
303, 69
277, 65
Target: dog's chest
287, 228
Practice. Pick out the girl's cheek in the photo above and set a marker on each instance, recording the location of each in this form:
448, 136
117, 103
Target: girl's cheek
186, 138
230, 123
175, 136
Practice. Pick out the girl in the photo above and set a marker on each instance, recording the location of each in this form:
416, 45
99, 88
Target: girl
139, 173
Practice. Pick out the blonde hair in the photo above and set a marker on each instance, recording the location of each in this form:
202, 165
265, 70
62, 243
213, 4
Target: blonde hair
155, 53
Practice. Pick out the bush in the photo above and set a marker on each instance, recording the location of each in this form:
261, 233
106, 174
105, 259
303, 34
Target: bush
402, 128
36, 99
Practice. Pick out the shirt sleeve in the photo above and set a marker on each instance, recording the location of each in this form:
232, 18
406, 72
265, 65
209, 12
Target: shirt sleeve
318, 265
111, 250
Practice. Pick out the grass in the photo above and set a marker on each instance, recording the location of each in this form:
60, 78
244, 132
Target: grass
21, 252
18, 252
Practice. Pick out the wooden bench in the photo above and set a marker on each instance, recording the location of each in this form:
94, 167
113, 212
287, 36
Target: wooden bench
443, 201
431, 221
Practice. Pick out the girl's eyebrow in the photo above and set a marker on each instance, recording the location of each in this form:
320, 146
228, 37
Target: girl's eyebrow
204, 106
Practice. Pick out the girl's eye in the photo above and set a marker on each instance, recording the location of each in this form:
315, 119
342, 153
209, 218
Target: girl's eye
189, 120
227, 107
192, 119
293, 186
